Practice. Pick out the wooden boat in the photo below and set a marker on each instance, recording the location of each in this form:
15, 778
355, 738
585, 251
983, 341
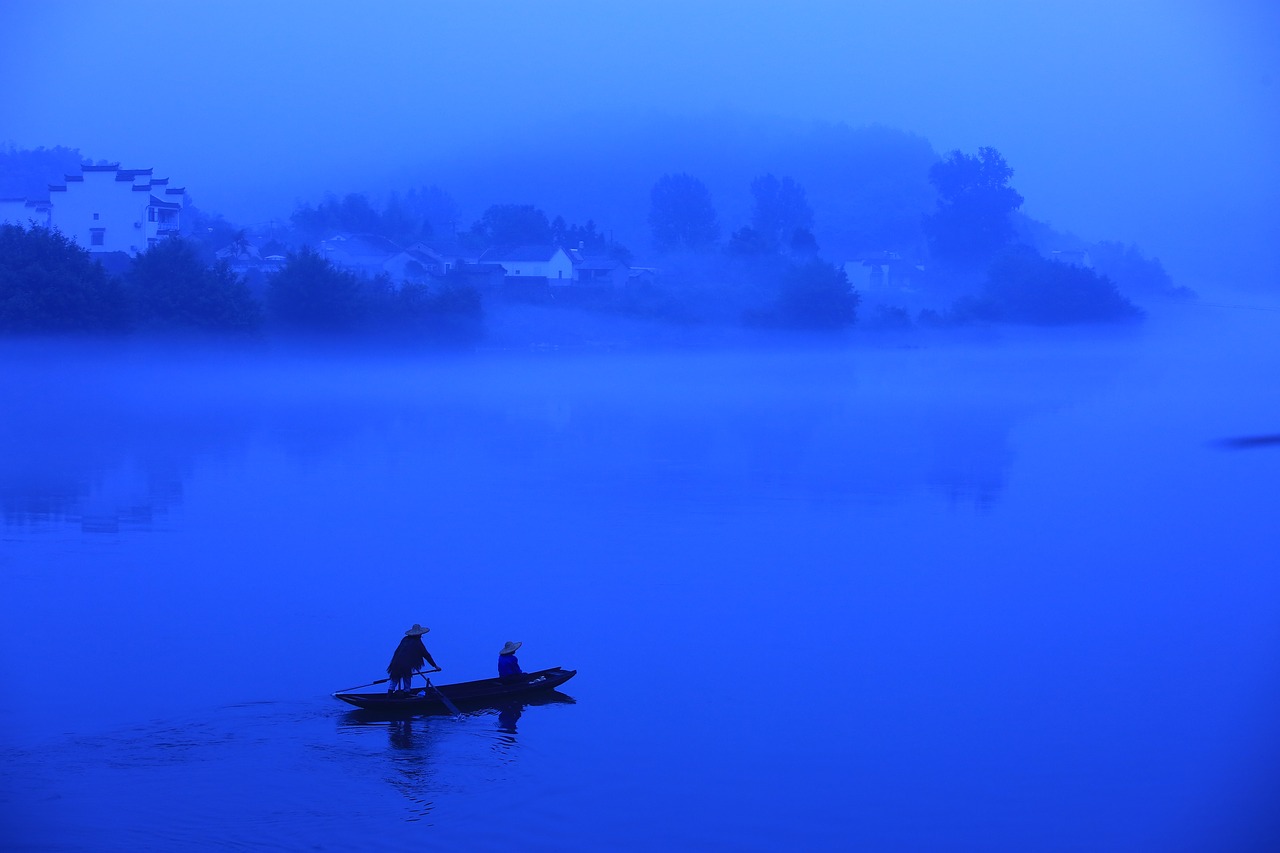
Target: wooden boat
474, 694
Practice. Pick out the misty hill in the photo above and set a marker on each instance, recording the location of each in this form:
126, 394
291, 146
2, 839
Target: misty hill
868, 186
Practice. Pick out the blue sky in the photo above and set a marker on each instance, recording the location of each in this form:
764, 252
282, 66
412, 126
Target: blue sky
1147, 121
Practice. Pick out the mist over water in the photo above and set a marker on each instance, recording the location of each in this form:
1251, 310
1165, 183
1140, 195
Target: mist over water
924, 592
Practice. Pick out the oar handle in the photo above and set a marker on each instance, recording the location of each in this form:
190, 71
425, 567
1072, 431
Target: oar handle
358, 686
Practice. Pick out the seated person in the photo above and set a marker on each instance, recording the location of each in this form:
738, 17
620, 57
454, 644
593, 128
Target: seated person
507, 663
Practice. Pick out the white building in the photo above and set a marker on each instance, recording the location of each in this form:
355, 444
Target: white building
549, 262
24, 212
109, 209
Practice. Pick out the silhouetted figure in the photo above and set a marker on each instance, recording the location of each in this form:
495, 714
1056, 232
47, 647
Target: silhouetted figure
507, 663
408, 657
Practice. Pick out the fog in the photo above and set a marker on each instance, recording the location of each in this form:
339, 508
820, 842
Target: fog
927, 568
914, 592
1138, 122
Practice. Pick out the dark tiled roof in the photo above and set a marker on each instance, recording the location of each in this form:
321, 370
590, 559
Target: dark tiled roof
167, 205
110, 167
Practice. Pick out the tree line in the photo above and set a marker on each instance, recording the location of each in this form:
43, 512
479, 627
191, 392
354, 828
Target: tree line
767, 271
51, 285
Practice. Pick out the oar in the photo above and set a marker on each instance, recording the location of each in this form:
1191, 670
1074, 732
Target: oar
453, 709
358, 686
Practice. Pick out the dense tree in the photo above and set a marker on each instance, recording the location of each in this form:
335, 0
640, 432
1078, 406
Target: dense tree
27, 172
434, 208
210, 232
587, 238
575, 236
49, 284
747, 242
1133, 271
172, 289
399, 223
812, 296
511, 225
780, 209
353, 213
975, 205
681, 215
1023, 287
449, 313
309, 294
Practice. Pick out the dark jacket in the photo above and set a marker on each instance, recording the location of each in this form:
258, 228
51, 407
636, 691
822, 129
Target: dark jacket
508, 665
408, 657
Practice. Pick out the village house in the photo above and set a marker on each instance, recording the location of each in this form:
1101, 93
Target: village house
373, 255
24, 211
598, 271
530, 262
882, 273
109, 209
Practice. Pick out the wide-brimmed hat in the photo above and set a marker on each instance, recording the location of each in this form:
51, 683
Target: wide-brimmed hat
510, 648
416, 631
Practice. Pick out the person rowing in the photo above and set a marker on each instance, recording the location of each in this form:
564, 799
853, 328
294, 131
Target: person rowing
408, 658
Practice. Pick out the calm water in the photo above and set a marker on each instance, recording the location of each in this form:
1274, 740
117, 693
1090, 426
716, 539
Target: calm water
999, 594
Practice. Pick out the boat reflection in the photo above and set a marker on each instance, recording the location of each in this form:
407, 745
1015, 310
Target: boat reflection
415, 741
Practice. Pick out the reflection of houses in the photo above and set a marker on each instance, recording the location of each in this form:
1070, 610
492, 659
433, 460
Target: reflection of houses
105, 208
882, 272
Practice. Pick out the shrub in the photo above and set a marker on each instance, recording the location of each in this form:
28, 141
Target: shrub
1023, 287
174, 290
49, 284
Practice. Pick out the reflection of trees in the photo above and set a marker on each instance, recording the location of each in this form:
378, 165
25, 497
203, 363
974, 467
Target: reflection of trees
102, 465
114, 446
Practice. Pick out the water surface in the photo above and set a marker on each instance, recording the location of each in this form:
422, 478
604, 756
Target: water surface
996, 594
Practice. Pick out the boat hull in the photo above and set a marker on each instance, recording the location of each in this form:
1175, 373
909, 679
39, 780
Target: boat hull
484, 693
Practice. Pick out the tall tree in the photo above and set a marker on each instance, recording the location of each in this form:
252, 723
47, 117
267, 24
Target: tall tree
973, 221
173, 290
309, 294
512, 225
681, 215
780, 209
435, 207
50, 284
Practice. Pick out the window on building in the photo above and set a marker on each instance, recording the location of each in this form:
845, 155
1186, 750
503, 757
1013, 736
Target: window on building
97, 236
151, 214
95, 216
